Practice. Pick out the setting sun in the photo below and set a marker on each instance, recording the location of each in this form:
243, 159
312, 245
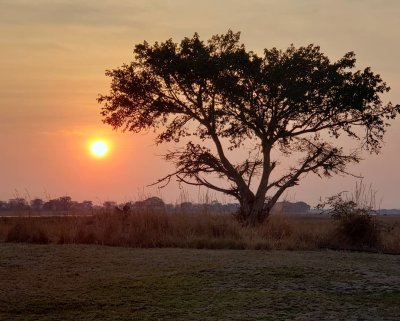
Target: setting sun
99, 148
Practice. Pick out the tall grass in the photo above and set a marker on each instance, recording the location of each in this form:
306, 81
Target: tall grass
152, 229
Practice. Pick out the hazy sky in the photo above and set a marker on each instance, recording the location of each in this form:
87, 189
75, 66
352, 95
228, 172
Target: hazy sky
53, 57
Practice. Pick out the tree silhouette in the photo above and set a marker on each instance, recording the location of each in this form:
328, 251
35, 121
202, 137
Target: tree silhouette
221, 98
36, 204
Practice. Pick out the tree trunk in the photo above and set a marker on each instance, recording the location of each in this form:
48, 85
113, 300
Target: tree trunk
254, 211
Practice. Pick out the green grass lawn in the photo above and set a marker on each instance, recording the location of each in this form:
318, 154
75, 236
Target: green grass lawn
69, 282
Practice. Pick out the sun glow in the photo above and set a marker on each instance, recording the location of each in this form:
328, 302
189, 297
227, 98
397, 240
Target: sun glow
99, 148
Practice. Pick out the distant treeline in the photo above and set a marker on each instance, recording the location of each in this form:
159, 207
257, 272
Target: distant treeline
66, 204
153, 204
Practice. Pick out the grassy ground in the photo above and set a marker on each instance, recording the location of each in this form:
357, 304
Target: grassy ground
78, 282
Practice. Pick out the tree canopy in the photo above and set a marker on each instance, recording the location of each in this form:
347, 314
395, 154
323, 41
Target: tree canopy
219, 97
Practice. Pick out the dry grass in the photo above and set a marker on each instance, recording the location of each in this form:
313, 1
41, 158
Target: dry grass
151, 230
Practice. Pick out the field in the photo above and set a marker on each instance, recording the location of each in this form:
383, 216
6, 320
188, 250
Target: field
80, 282
153, 266
156, 230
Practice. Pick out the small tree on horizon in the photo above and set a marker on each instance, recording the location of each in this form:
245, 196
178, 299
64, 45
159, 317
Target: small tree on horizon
222, 98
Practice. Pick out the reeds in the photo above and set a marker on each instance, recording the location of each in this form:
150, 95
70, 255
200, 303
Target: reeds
152, 229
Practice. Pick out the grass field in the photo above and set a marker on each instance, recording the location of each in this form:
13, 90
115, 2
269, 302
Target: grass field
157, 230
78, 282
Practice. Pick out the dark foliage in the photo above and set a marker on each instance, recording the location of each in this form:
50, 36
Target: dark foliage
356, 225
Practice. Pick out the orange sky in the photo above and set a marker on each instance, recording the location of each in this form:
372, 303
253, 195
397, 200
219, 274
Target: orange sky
53, 57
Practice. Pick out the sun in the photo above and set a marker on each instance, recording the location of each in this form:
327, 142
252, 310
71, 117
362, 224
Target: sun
99, 148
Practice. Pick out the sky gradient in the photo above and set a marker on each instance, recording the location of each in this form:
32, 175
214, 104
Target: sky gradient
53, 58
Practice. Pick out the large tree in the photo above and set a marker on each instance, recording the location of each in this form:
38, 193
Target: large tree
217, 97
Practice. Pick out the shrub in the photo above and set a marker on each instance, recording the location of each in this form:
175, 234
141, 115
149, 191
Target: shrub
356, 224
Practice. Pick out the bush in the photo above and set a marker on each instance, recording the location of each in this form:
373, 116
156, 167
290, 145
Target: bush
356, 224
